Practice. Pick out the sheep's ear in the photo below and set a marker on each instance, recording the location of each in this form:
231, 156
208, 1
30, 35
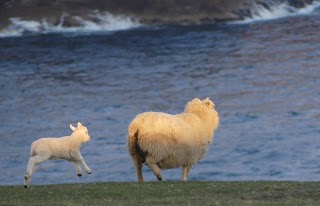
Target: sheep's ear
72, 127
79, 125
208, 102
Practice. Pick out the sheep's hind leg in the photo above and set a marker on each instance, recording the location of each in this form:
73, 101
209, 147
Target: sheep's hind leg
138, 164
155, 169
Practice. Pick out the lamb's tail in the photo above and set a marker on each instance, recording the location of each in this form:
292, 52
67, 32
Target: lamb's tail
32, 152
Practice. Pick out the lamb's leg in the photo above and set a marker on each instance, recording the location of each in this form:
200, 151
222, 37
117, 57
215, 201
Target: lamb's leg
28, 181
32, 166
29, 168
77, 157
86, 168
155, 168
78, 169
27, 177
138, 164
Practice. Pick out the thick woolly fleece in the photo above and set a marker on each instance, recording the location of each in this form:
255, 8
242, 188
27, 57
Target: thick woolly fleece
171, 141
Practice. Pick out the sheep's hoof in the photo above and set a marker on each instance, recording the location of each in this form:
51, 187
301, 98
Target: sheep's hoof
79, 175
89, 173
26, 186
159, 178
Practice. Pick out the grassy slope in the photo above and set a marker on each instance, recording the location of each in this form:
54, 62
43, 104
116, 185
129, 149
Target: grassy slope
165, 193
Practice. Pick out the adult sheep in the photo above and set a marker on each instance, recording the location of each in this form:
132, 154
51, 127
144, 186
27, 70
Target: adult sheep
67, 148
165, 141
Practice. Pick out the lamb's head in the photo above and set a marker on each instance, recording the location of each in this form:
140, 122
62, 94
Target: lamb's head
81, 132
205, 109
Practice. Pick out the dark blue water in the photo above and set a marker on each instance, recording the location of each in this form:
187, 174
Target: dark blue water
264, 78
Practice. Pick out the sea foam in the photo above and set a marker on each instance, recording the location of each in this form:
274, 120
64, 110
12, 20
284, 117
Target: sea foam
96, 22
276, 11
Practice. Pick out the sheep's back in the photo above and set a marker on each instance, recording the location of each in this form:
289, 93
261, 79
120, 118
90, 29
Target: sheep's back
167, 138
159, 126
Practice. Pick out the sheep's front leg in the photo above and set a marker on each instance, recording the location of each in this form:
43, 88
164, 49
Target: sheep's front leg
78, 169
185, 172
188, 170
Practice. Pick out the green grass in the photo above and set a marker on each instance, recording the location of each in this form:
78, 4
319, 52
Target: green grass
165, 193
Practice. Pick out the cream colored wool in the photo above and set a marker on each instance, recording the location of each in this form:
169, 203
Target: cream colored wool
165, 141
67, 148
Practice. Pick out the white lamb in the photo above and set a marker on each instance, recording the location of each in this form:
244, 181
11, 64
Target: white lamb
165, 141
67, 148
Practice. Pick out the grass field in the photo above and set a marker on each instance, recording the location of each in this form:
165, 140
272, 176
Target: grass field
165, 193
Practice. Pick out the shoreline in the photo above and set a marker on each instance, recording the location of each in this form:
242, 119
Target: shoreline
147, 12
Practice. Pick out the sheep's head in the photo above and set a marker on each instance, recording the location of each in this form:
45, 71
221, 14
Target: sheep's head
81, 131
204, 109
208, 103
199, 105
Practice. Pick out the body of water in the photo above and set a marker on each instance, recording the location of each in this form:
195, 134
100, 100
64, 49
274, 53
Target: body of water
263, 76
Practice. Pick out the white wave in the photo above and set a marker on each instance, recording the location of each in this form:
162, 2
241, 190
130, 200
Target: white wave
309, 8
96, 22
276, 11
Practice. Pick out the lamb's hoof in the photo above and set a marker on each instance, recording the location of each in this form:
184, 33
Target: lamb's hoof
79, 175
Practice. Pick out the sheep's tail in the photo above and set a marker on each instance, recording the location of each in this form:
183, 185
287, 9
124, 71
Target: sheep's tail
133, 142
133, 132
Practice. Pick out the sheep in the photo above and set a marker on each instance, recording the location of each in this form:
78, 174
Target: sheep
165, 141
67, 148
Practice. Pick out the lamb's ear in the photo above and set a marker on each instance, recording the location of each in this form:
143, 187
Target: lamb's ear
79, 125
72, 127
